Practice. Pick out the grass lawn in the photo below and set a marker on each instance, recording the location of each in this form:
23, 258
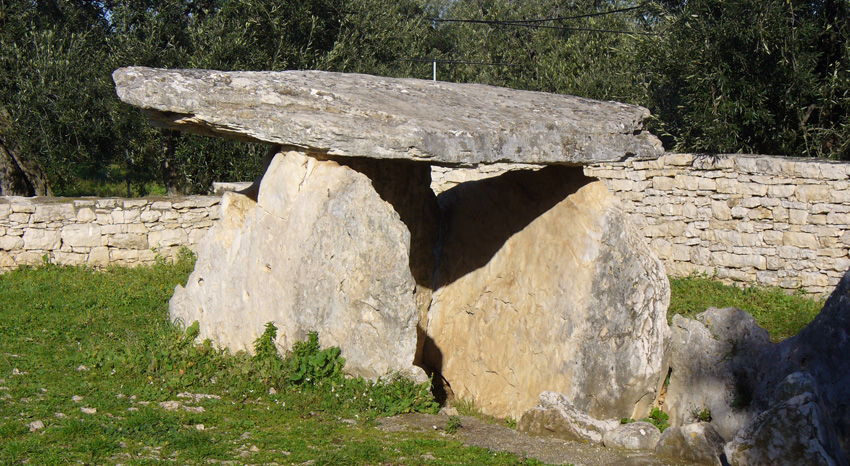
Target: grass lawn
781, 314
92, 372
92, 357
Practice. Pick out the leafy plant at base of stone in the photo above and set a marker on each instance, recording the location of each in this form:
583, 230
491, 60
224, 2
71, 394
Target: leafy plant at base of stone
657, 418
452, 424
308, 362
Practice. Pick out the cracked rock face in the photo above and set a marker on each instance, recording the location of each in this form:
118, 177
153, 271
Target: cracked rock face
339, 114
319, 250
713, 360
542, 285
796, 429
821, 349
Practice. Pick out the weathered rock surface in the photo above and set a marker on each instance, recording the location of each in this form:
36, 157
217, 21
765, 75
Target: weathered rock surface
713, 361
541, 285
820, 349
360, 115
697, 442
634, 436
319, 250
795, 430
405, 185
555, 416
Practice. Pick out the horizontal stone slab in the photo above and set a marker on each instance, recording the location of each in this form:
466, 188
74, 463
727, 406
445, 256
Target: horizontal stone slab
337, 114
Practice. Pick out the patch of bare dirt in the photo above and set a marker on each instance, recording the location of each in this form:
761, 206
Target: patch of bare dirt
475, 432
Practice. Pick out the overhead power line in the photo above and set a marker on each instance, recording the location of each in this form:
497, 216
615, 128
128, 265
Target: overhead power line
536, 20
567, 28
557, 28
535, 23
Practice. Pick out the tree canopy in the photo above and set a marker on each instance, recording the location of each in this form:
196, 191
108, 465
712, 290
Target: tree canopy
765, 76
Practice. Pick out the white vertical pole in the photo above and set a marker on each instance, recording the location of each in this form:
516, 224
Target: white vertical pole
435, 70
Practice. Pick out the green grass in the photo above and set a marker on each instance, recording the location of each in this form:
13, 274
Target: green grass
102, 188
780, 313
53, 320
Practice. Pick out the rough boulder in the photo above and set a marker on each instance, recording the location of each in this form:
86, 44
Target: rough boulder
821, 350
541, 285
319, 250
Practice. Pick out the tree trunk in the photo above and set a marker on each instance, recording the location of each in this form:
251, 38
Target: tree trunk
17, 176
169, 164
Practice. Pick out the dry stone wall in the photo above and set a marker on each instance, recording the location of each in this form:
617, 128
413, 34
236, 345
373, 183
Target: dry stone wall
764, 220
100, 232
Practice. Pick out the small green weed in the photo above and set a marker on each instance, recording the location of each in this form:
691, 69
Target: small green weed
627, 420
657, 418
266, 360
466, 407
452, 424
510, 423
703, 416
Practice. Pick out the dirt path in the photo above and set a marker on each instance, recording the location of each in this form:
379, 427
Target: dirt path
549, 450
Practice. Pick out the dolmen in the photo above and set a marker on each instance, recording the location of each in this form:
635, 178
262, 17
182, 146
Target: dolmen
529, 282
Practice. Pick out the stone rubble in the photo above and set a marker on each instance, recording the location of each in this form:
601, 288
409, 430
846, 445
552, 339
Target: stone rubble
697, 442
795, 430
633, 436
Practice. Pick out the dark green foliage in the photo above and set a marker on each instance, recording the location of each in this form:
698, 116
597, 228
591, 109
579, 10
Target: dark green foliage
580, 61
766, 76
308, 363
657, 418
452, 424
266, 360
760, 76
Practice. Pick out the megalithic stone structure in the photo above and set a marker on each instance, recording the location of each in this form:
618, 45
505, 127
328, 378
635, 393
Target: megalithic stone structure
508, 287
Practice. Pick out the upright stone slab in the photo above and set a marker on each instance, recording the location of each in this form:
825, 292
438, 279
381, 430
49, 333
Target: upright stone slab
319, 250
541, 285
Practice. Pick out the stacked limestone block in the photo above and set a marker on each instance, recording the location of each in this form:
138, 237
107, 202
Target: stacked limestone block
773, 221
100, 232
